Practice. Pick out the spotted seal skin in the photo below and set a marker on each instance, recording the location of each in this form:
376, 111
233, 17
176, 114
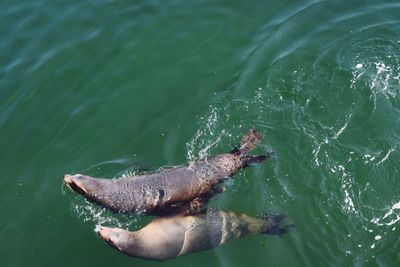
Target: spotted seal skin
168, 237
149, 193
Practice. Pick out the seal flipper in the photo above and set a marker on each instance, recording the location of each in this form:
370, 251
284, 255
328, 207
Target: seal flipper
198, 205
192, 207
253, 159
277, 224
247, 160
186, 208
249, 142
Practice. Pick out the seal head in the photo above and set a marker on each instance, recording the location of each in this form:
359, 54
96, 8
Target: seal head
77, 182
113, 236
94, 189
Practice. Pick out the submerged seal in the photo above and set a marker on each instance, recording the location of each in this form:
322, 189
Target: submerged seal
149, 193
168, 237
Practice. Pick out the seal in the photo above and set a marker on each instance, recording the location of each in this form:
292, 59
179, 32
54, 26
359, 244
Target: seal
150, 193
168, 237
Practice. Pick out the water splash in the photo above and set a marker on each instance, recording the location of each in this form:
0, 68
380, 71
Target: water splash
391, 217
376, 158
92, 213
220, 124
207, 136
88, 212
346, 186
380, 77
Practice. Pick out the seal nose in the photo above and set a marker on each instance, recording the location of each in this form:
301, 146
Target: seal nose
107, 235
104, 232
67, 179
73, 182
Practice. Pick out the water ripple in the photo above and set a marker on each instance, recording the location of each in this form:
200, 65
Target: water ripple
321, 79
346, 130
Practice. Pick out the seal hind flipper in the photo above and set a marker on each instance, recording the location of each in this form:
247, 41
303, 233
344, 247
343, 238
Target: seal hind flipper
277, 224
249, 142
279, 230
247, 160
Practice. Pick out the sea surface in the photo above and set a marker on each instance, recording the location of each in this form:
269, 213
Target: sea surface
112, 88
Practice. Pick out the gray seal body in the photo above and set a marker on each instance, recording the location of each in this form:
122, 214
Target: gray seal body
148, 193
169, 237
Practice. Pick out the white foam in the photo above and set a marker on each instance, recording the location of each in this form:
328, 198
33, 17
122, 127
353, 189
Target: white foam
206, 136
382, 78
349, 202
88, 212
386, 156
390, 214
341, 130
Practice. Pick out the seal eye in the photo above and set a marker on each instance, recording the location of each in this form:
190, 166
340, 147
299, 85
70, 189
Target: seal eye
161, 194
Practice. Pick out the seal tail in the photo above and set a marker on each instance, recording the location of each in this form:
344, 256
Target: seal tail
249, 142
277, 224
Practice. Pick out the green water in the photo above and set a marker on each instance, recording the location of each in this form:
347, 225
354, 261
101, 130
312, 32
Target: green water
109, 87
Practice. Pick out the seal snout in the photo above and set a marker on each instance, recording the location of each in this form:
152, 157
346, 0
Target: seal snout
103, 232
74, 182
68, 179
107, 234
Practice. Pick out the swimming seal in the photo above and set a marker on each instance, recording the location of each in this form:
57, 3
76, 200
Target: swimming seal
149, 193
168, 237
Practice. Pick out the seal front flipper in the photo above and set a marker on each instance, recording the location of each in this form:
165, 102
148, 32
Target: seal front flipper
195, 206
199, 204
187, 208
